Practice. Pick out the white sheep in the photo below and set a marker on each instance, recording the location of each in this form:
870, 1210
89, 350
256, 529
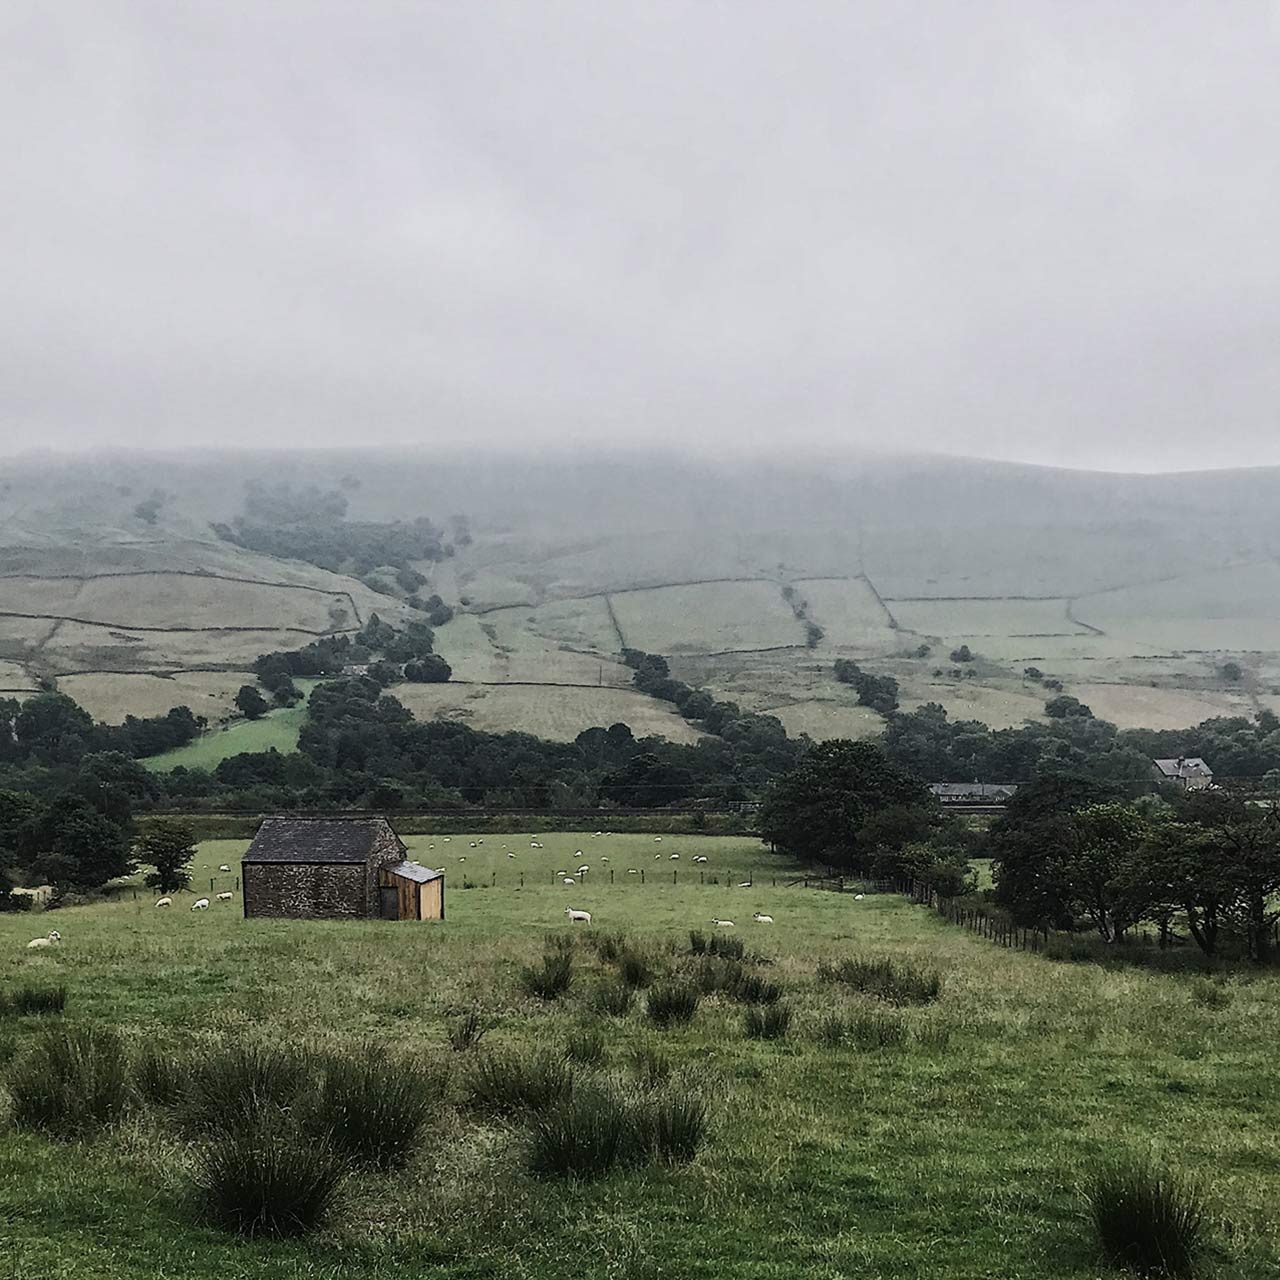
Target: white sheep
36, 943
225, 867
164, 902
746, 884
657, 839
200, 904
723, 924
447, 839
472, 845
576, 917
582, 870
577, 853
225, 897
675, 857
700, 857
511, 855
569, 880
759, 919
631, 871
857, 897
480, 841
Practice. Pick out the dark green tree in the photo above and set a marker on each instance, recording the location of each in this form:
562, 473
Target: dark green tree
252, 705
168, 845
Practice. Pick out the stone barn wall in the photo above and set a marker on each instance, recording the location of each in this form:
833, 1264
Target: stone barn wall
308, 889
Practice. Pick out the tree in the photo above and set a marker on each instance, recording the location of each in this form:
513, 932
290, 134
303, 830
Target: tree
1102, 870
1065, 706
252, 705
82, 847
841, 804
168, 845
962, 654
431, 669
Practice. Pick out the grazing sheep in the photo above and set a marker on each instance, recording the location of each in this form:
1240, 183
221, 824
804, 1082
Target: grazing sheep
582, 870
225, 867
430, 846
200, 904
759, 919
701, 857
562, 873
511, 855
225, 897
569, 880
472, 845
439, 871
857, 897
577, 853
657, 839
575, 917
631, 871
480, 841
675, 857
723, 924
447, 839
36, 943
604, 859
164, 902
746, 884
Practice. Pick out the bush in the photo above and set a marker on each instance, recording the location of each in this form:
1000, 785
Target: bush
721, 944
887, 979
235, 1083
1147, 1220
652, 1067
634, 970
464, 1031
371, 1108
751, 988
671, 1003
670, 1125
34, 1000
586, 1134
268, 1179
585, 1047
504, 1084
613, 1000
159, 1076
767, 1022
552, 979
73, 1081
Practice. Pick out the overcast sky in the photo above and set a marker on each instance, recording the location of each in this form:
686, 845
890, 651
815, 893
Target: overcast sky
1041, 231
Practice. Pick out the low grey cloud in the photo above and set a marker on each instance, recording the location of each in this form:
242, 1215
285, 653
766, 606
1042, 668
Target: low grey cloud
1010, 228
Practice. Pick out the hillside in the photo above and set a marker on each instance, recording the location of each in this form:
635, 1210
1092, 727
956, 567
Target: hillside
1132, 591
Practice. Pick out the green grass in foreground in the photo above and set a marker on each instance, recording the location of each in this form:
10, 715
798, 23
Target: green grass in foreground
955, 1157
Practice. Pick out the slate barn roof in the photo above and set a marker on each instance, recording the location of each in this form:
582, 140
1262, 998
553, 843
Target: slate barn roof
316, 839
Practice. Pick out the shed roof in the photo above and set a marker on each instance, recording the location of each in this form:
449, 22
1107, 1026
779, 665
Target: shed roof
316, 839
412, 871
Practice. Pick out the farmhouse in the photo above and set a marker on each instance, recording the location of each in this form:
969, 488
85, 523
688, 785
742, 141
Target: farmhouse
336, 868
1188, 772
972, 792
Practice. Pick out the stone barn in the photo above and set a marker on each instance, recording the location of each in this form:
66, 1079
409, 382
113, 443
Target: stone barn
336, 868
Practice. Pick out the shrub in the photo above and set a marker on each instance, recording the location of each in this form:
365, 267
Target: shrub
634, 970
504, 1084
464, 1031
586, 1134
1147, 1219
236, 1082
371, 1108
670, 1125
876, 1029
751, 988
613, 1000
159, 1076
585, 1047
268, 1179
670, 1003
73, 1081
609, 946
697, 943
552, 979
887, 979
767, 1022
652, 1067
34, 1000
714, 973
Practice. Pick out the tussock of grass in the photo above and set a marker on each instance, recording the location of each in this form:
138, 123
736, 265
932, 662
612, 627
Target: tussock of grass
730, 948
652, 1067
160, 1076
465, 1031
585, 1047
72, 1082
612, 999
505, 1084
697, 942
766, 1022
714, 973
37, 1000
235, 1082
551, 979
885, 978
671, 1125
1148, 1220
268, 1179
372, 1108
1212, 995
609, 946
751, 988
672, 1003
634, 968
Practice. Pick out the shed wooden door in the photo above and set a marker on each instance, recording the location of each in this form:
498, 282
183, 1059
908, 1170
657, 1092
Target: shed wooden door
388, 902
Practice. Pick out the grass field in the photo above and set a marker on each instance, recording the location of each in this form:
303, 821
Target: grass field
708, 617
110, 696
956, 1155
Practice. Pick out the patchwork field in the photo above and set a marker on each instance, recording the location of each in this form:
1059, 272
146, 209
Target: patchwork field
957, 1153
111, 696
850, 614
276, 730
548, 711
1133, 707
707, 617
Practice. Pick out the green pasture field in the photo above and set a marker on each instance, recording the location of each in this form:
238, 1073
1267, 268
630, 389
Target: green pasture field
958, 1155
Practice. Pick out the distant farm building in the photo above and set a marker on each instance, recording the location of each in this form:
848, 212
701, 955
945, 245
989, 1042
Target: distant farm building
972, 792
336, 868
1188, 772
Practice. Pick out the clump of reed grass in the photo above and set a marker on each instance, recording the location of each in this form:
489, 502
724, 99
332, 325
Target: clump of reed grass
1147, 1219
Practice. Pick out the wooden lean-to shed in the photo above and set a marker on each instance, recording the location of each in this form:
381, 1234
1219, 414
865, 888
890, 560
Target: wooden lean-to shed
336, 868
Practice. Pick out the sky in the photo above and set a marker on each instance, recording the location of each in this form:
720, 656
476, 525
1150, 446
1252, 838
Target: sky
1040, 231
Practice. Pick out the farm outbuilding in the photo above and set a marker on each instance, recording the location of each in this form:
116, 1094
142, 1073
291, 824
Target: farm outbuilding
336, 868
